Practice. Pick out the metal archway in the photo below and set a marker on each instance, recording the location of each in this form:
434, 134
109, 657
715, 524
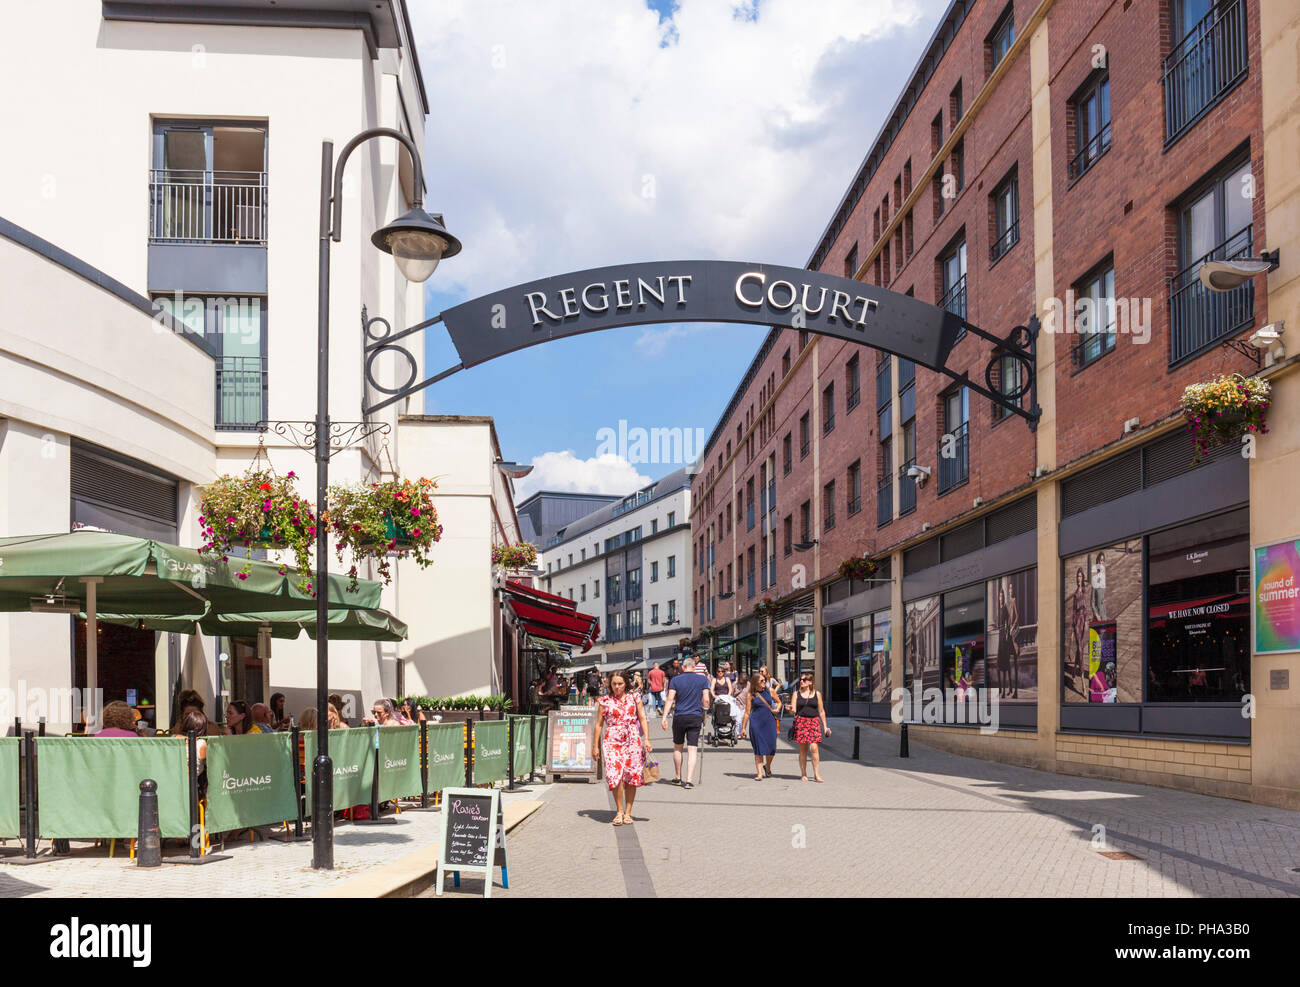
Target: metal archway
707, 291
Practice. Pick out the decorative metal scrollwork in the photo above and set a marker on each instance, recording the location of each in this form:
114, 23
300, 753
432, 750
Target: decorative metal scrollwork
380, 343
342, 435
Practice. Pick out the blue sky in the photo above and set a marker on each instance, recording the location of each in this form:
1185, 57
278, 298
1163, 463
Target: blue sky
579, 133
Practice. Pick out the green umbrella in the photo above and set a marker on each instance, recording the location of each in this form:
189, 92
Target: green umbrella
345, 625
91, 570
139, 576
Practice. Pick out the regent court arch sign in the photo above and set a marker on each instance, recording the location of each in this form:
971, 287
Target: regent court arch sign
708, 291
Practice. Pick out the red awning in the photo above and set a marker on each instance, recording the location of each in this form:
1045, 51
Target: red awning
552, 617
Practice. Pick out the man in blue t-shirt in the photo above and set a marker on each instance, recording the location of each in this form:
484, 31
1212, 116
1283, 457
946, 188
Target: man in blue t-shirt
688, 701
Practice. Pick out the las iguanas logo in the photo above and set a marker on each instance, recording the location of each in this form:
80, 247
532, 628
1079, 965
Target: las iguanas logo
399, 763
442, 758
250, 783
346, 769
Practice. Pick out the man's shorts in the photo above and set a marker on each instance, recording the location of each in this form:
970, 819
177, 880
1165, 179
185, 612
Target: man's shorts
686, 729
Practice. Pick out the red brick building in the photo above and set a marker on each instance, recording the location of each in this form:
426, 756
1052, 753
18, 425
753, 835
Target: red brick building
1040, 154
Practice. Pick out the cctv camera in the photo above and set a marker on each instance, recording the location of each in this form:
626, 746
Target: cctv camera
919, 472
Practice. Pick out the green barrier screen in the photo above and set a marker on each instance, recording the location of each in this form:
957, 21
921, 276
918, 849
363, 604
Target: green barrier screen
89, 787
9, 786
539, 741
250, 781
490, 742
446, 756
352, 752
399, 762
522, 756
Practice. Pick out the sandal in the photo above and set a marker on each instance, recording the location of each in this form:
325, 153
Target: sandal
618, 820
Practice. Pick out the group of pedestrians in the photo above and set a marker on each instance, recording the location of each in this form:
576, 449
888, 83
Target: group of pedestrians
684, 693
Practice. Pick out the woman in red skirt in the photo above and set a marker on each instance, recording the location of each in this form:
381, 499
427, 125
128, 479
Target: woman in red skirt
627, 741
809, 724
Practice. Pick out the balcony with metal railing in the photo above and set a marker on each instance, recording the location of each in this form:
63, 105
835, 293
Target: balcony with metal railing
240, 393
954, 470
906, 490
1199, 317
954, 299
1203, 66
207, 206
1005, 242
1090, 152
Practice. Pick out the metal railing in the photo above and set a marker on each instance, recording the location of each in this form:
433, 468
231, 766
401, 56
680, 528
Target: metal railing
207, 206
885, 502
954, 299
1198, 316
240, 393
1090, 152
955, 470
1203, 66
1005, 242
906, 490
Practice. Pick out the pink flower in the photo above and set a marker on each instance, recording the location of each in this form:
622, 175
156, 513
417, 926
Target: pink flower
266, 505
415, 533
243, 575
292, 474
415, 512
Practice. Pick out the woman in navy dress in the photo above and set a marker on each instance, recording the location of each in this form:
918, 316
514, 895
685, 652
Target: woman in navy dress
760, 723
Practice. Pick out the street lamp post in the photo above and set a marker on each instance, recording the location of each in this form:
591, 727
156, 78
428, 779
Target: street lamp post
417, 242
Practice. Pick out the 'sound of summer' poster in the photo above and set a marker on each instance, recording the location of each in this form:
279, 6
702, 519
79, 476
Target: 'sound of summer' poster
1277, 597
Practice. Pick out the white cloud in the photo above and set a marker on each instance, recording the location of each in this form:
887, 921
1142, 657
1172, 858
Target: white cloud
566, 473
578, 133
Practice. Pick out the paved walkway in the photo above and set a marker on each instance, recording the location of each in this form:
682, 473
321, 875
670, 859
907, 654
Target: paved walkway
264, 869
935, 824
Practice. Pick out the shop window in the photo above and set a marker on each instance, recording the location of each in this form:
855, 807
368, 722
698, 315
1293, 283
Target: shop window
1012, 635
1198, 618
1103, 625
964, 673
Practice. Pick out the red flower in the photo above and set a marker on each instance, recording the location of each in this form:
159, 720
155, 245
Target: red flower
264, 486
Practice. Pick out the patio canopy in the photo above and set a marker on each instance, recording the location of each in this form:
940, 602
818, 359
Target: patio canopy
554, 618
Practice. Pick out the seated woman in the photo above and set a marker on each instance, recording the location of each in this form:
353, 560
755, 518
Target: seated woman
238, 720
119, 721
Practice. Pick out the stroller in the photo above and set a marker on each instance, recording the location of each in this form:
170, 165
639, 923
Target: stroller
725, 727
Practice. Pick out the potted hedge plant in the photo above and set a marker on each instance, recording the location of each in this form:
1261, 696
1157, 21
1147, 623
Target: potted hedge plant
520, 556
382, 520
258, 509
858, 567
1224, 409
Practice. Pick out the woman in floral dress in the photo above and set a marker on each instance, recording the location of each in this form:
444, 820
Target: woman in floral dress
626, 742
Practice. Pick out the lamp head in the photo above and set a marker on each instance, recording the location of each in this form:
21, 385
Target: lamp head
417, 242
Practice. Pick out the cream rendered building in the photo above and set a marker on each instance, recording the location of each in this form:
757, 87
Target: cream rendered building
190, 184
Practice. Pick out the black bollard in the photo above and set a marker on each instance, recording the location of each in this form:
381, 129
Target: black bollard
857, 730
424, 764
295, 739
148, 846
196, 830
902, 741
510, 746
29, 787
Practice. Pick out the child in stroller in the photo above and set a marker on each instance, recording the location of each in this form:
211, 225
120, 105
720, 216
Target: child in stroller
725, 721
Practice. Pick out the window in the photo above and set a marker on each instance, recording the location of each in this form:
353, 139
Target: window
582, 592
852, 383
963, 642
208, 183
999, 40
828, 409
654, 613
805, 435
828, 506
885, 471
672, 566
634, 623
936, 138
1214, 223
855, 487
233, 330
1206, 61
787, 454
907, 418
787, 529
749, 571
583, 556
938, 196
1010, 380
570, 558
672, 611
952, 269
1004, 206
785, 363
595, 589
749, 504
954, 105
654, 572
570, 592
954, 446
654, 526
957, 164
1091, 113
805, 522
612, 590
851, 262
1095, 316
672, 518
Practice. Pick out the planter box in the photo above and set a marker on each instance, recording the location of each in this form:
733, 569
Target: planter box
462, 715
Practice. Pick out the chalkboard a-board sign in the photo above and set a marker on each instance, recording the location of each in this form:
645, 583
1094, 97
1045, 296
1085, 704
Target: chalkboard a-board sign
473, 837
572, 743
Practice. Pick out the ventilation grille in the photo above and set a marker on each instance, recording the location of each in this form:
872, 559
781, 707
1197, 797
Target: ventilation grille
1014, 519
1173, 456
100, 480
924, 556
964, 540
1102, 484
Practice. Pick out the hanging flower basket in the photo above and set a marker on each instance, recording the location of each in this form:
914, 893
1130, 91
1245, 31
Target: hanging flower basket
764, 607
520, 556
1224, 409
258, 509
858, 567
380, 520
